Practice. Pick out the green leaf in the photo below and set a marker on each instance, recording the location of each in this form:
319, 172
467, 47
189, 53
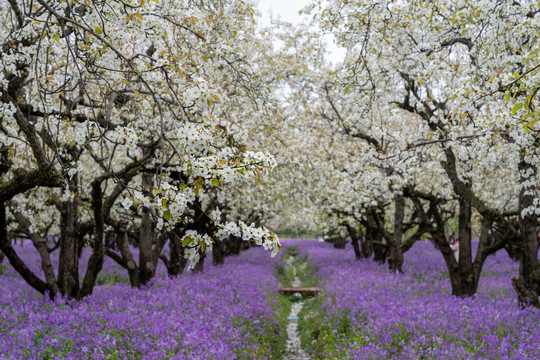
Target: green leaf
57, 37
516, 108
98, 30
215, 182
167, 215
491, 79
186, 241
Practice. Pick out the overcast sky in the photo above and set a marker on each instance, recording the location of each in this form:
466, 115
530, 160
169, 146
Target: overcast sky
287, 10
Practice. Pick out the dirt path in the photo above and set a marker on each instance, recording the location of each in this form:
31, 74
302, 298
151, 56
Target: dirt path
294, 348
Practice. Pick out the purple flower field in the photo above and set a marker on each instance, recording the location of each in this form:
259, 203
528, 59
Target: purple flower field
229, 312
222, 313
369, 313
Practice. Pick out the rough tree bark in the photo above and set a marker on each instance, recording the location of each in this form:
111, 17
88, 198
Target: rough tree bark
177, 262
339, 242
527, 283
355, 240
68, 268
218, 253
95, 263
147, 262
127, 257
395, 256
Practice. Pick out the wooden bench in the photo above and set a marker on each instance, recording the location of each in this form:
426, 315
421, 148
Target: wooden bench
306, 292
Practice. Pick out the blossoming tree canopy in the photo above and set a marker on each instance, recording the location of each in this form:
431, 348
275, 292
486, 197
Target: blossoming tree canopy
94, 94
457, 71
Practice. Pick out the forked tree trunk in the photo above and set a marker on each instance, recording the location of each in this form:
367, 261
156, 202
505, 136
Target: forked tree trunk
464, 273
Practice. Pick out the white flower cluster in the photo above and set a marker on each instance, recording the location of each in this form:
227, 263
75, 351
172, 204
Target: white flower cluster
261, 236
124, 135
534, 209
195, 243
200, 94
7, 110
260, 158
194, 138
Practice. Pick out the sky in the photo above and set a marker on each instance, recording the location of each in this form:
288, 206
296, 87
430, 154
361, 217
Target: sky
287, 10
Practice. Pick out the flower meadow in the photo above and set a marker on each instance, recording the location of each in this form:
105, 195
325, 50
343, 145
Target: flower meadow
224, 312
231, 312
366, 312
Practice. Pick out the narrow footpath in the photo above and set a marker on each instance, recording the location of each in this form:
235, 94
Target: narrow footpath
294, 348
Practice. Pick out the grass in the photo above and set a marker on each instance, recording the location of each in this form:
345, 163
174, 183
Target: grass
304, 270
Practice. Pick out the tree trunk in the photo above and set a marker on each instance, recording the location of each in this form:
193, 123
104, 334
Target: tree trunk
147, 262
40, 244
358, 244
234, 244
527, 284
218, 253
379, 249
366, 245
14, 259
339, 242
464, 282
68, 270
395, 256
356, 247
95, 263
127, 256
177, 262
199, 267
